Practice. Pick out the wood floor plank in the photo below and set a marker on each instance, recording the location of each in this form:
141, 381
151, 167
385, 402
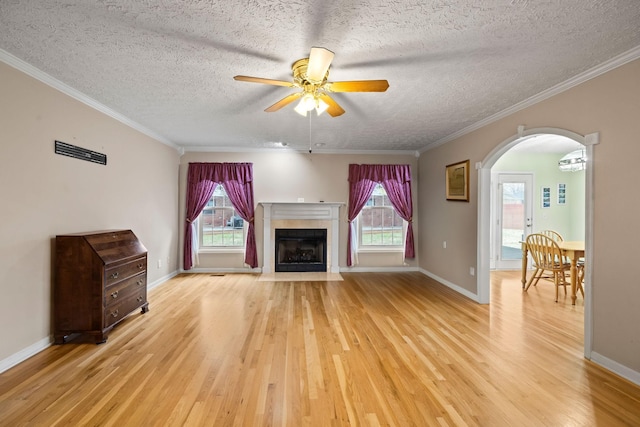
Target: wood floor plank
393, 349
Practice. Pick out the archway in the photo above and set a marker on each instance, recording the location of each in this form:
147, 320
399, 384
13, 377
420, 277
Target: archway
484, 215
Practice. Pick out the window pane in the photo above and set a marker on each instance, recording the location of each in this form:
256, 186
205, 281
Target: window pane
380, 224
513, 220
219, 223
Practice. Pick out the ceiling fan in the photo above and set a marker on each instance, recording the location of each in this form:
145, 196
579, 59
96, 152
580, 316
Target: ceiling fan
310, 75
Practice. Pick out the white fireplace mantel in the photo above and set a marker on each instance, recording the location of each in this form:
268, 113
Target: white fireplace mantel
327, 212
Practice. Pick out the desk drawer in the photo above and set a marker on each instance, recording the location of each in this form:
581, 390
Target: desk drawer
116, 312
122, 290
123, 271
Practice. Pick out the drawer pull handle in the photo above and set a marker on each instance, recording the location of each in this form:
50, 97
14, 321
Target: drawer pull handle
140, 266
139, 282
114, 295
114, 275
139, 299
115, 313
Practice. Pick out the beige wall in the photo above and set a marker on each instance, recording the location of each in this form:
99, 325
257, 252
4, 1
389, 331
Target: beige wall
285, 176
608, 104
44, 194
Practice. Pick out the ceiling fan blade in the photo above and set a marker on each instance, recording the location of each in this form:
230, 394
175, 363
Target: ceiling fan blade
264, 81
358, 86
284, 101
334, 109
319, 62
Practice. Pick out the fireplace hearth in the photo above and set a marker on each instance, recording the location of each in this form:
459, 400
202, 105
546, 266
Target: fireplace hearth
300, 249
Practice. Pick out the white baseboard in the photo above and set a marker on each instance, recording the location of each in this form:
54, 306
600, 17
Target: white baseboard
453, 286
616, 368
162, 280
25, 353
223, 270
398, 269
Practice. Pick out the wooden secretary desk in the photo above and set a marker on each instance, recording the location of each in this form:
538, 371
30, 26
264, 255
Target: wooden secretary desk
100, 278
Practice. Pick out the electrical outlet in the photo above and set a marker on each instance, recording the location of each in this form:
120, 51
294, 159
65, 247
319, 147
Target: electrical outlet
159, 263
472, 271
444, 244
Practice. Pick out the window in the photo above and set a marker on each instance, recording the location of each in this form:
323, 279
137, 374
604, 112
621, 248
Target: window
219, 225
379, 224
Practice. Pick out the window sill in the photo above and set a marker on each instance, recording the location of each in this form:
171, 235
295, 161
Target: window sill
219, 250
380, 249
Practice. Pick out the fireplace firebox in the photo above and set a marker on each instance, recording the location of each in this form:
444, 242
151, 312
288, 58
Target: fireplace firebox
300, 249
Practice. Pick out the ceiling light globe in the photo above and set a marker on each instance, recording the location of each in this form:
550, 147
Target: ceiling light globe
301, 109
309, 102
321, 106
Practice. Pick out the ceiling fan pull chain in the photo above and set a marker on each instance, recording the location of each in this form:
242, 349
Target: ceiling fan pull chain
309, 131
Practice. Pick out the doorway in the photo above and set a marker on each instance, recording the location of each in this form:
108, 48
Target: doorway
484, 216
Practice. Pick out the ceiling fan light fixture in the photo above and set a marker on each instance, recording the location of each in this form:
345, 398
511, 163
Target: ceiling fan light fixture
301, 109
574, 161
321, 106
307, 103
310, 102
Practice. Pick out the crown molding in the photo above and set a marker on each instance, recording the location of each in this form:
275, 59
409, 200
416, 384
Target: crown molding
45, 78
605, 67
212, 149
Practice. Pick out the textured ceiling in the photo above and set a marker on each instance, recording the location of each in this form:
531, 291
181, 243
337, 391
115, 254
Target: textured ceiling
168, 66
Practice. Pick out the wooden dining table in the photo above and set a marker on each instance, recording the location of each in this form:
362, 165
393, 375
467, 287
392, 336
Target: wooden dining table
572, 249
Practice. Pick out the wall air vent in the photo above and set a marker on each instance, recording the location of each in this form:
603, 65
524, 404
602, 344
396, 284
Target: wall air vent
80, 153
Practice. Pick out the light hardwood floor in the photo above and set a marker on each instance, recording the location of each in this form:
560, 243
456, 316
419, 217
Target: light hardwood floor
373, 349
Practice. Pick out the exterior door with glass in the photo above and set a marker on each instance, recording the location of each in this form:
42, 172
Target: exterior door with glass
512, 218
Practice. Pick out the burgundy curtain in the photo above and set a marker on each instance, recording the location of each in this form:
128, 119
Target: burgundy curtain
396, 180
241, 195
237, 179
360, 189
397, 184
199, 191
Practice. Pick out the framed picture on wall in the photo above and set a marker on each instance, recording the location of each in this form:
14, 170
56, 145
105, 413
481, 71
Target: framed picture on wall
562, 194
457, 181
546, 197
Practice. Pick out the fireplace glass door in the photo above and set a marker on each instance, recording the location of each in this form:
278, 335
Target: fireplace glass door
300, 249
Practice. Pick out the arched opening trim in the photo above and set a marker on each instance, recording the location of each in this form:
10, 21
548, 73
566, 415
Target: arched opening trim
484, 214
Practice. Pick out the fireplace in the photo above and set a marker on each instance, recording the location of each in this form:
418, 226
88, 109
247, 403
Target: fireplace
322, 216
300, 249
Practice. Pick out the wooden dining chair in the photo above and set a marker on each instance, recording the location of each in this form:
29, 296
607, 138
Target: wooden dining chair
556, 237
580, 265
552, 234
580, 277
547, 259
